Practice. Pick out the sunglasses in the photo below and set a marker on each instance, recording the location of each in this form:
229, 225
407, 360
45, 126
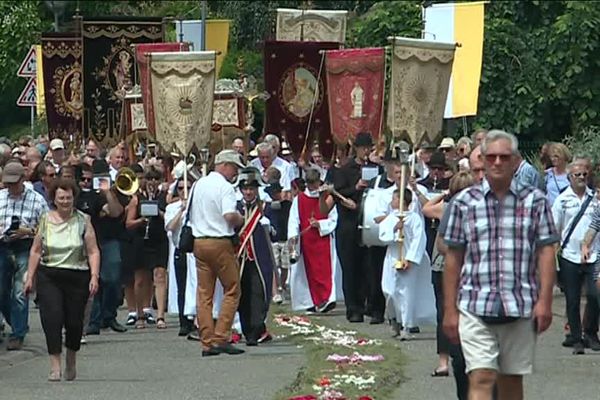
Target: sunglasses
491, 158
446, 150
86, 179
580, 174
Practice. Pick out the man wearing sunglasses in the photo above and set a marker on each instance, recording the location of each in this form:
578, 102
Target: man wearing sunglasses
499, 273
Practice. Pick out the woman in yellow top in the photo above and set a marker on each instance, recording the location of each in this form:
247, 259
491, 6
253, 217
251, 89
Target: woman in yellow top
66, 252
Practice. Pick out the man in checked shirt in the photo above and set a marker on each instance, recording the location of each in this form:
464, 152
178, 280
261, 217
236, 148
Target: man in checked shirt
499, 273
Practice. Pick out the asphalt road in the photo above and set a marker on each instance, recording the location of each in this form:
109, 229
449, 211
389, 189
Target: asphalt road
152, 364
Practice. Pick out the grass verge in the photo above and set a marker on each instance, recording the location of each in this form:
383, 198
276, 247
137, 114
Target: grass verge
349, 381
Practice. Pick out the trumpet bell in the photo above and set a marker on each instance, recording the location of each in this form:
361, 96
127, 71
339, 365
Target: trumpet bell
127, 182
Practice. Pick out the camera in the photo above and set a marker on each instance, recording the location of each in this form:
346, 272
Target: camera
98, 181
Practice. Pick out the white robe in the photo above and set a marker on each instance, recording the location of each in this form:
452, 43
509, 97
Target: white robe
298, 282
408, 293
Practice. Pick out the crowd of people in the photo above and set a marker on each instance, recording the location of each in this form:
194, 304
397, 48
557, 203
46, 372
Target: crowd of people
468, 243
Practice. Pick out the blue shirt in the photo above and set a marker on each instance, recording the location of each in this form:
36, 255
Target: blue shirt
555, 185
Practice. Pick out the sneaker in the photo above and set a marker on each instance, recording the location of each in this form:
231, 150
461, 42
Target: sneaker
414, 329
578, 348
569, 341
149, 317
406, 335
277, 299
14, 344
131, 319
265, 337
591, 342
83, 339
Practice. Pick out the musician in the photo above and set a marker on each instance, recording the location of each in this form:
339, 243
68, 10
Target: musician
435, 183
313, 278
376, 254
213, 218
255, 257
349, 183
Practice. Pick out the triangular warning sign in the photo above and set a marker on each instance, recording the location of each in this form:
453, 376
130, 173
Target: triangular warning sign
28, 96
28, 66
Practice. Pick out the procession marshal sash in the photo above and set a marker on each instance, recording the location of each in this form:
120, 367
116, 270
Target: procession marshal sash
141, 52
248, 229
420, 77
355, 89
293, 81
109, 70
183, 86
63, 82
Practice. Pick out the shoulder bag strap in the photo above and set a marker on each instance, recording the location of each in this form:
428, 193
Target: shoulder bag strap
576, 220
189, 205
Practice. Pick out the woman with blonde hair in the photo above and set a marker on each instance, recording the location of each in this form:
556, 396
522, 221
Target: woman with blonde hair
556, 176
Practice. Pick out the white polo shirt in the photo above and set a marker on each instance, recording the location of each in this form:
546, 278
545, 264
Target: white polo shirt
213, 197
283, 166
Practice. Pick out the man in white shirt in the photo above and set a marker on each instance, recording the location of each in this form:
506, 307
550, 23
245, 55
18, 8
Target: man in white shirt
213, 219
57, 149
575, 269
116, 159
267, 157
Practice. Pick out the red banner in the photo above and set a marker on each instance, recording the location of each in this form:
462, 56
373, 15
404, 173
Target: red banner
141, 51
298, 94
355, 89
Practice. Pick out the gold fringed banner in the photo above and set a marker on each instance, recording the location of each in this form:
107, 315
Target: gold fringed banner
183, 86
311, 25
420, 77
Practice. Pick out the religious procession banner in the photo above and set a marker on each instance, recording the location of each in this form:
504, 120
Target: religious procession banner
311, 25
109, 70
420, 77
141, 52
355, 89
63, 80
183, 86
460, 23
297, 109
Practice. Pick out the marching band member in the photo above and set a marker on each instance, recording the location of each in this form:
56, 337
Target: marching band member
256, 259
313, 279
409, 294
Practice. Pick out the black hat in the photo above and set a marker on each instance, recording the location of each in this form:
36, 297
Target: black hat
100, 167
250, 176
438, 159
363, 139
427, 145
274, 187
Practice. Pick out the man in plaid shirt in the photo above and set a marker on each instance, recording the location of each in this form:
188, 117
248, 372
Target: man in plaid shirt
499, 273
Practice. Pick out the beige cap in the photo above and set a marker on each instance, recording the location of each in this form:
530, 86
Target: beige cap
229, 156
56, 144
447, 142
13, 172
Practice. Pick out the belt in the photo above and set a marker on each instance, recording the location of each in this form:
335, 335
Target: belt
215, 237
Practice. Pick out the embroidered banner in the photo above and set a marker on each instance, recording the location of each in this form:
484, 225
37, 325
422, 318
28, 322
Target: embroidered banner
293, 81
63, 82
355, 89
183, 86
141, 51
109, 70
420, 78
311, 25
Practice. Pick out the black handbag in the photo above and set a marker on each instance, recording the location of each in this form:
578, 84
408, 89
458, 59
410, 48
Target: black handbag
186, 237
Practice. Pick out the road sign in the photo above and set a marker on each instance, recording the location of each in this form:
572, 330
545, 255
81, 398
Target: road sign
28, 95
28, 66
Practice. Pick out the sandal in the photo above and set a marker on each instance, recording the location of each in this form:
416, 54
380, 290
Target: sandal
140, 323
161, 324
440, 373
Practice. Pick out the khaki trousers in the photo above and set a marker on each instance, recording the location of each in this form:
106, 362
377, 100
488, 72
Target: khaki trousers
216, 258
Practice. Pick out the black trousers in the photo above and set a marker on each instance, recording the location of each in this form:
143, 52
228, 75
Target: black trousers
573, 277
376, 300
253, 304
443, 345
353, 258
62, 296
180, 264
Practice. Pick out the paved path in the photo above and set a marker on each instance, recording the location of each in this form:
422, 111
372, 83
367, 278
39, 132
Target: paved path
151, 364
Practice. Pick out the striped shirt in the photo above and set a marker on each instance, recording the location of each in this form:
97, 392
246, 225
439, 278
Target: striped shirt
28, 207
500, 238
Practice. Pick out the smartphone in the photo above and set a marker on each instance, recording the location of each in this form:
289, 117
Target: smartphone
101, 180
